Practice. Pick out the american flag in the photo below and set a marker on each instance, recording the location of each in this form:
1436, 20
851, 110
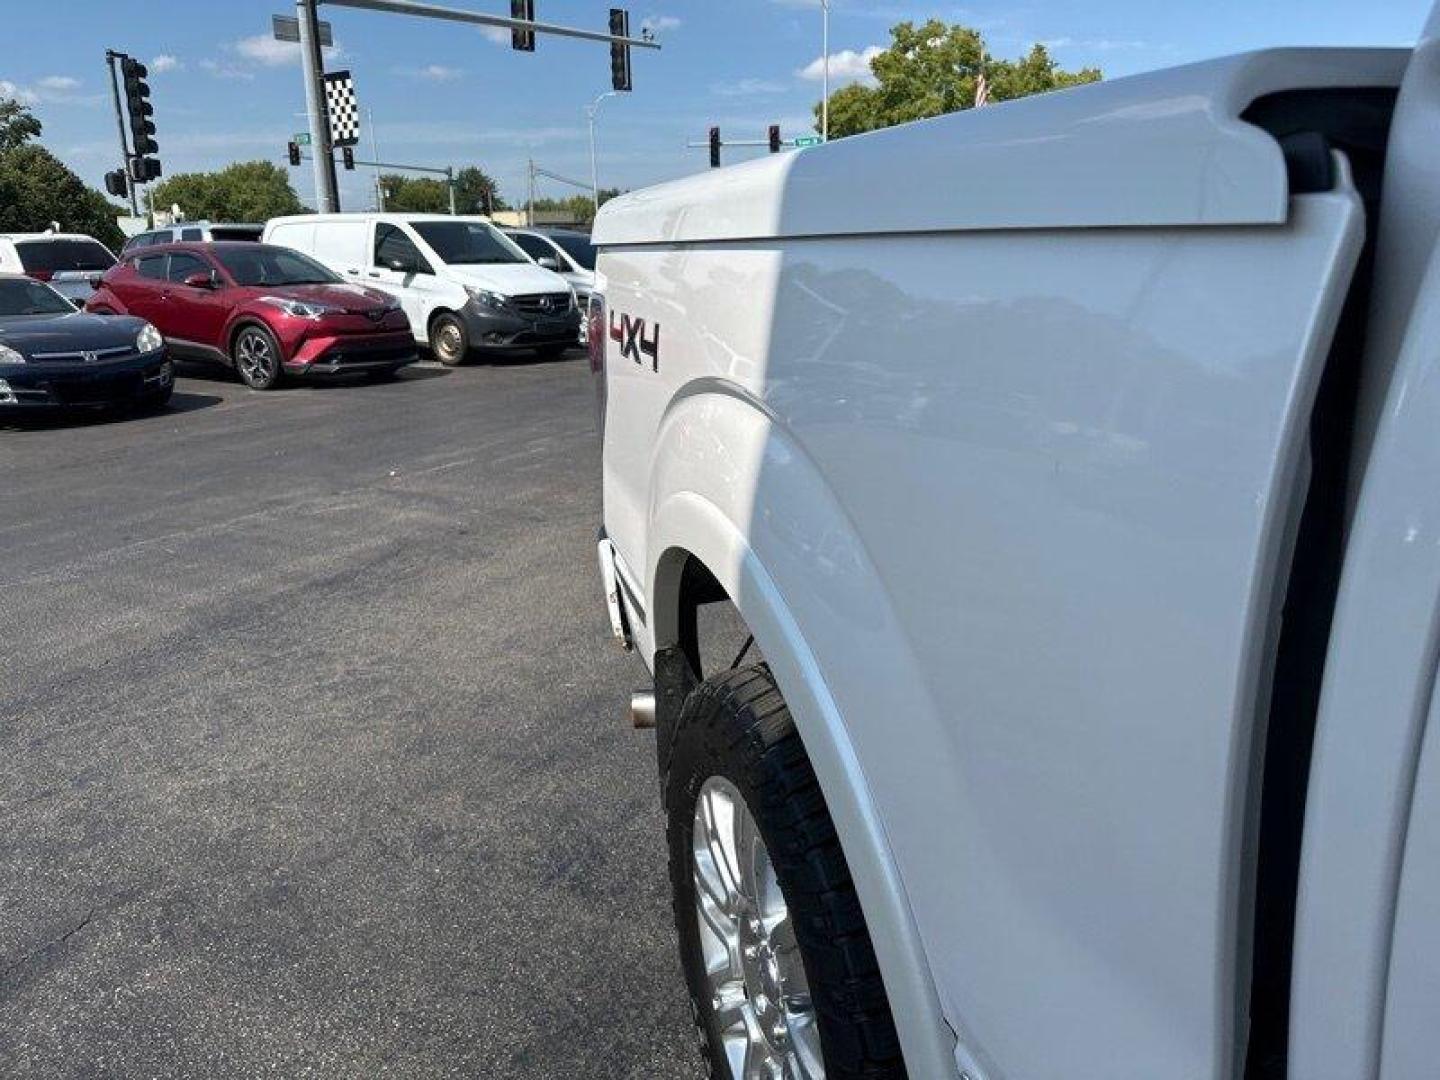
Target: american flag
982, 91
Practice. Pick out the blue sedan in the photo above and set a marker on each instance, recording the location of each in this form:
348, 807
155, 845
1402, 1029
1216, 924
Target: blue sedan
52, 355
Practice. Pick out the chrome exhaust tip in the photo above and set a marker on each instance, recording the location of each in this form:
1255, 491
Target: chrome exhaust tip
642, 709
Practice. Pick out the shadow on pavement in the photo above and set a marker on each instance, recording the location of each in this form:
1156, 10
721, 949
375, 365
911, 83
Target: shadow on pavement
50, 419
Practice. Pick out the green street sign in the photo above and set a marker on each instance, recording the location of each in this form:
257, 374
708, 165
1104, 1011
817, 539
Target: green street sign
807, 140
302, 138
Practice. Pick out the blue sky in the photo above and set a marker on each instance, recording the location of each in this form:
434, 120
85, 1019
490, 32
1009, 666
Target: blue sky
447, 94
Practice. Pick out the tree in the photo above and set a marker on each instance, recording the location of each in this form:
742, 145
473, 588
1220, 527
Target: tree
476, 192
417, 194
37, 188
577, 208
932, 69
17, 125
244, 191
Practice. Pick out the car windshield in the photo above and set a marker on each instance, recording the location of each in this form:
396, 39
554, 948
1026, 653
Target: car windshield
19, 297
465, 243
262, 264
578, 248
57, 256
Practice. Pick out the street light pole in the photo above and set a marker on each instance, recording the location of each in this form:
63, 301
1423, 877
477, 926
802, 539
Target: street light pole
590, 111
825, 53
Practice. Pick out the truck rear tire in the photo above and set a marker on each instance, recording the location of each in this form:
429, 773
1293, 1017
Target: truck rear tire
781, 971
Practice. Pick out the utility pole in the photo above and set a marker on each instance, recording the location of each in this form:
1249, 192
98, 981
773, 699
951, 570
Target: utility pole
590, 111
530, 197
450, 186
312, 60
110, 57
825, 54
375, 153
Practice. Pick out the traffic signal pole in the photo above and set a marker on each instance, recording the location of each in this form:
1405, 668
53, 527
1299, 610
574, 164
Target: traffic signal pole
523, 37
327, 192
120, 126
475, 18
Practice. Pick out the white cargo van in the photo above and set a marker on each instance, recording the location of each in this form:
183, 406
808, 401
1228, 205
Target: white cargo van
463, 284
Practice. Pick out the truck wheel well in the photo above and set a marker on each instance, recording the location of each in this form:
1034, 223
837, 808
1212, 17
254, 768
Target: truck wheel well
698, 589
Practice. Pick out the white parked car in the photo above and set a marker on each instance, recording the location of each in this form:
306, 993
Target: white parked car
186, 231
71, 263
569, 253
462, 283
1082, 505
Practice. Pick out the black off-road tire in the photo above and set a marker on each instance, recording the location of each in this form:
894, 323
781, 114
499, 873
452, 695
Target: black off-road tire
736, 725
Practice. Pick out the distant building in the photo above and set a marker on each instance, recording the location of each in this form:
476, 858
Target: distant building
554, 219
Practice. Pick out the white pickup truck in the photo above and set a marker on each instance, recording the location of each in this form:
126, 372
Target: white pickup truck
1074, 464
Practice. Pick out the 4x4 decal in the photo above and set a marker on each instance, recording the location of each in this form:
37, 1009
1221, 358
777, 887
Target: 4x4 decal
630, 333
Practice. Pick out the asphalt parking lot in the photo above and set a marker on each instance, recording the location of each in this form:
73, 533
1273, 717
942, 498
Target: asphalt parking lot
311, 752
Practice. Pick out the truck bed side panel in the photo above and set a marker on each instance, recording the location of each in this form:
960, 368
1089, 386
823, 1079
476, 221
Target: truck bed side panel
1067, 458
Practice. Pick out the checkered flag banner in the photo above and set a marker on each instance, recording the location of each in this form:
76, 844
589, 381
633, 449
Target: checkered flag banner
342, 108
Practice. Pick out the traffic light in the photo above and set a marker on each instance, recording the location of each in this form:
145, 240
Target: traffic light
522, 40
137, 102
714, 148
774, 138
347, 155
293, 150
619, 52
115, 183
144, 169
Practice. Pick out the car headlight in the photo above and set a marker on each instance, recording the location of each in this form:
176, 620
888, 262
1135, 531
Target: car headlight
300, 309
486, 298
149, 339
10, 356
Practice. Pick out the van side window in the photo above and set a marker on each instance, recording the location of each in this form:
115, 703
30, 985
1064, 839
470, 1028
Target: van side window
392, 243
191, 234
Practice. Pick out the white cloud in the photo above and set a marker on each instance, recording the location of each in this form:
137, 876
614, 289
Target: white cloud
657, 24
499, 35
748, 88
50, 90
22, 94
1100, 44
226, 70
265, 50
432, 73
847, 65
165, 62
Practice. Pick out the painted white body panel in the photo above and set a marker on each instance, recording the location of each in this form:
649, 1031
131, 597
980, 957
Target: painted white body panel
1008, 507
1365, 942
1166, 148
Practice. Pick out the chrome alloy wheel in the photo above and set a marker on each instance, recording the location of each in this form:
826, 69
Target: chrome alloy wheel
254, 357
754, 973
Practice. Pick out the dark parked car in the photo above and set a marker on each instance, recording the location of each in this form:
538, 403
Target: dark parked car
264, 310
53, 355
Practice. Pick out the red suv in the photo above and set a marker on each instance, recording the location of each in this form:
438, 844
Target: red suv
266, 311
